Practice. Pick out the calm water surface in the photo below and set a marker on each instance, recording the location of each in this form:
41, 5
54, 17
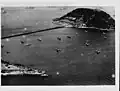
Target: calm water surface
77, 61
81, 57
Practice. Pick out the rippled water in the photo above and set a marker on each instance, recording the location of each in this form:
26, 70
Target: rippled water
69, 56
80, 57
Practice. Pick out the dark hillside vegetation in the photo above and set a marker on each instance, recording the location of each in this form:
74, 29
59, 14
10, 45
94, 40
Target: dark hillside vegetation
89, 18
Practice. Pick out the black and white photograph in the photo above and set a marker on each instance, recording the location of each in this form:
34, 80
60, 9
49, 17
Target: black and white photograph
57, 45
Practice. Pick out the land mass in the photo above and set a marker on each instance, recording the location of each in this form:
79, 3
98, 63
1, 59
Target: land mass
87, 18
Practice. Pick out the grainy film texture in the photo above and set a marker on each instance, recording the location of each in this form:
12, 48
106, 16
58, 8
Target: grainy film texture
58, 45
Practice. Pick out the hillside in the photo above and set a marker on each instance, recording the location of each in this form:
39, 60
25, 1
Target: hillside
86, 17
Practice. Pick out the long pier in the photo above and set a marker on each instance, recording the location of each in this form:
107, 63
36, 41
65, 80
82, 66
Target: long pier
27, 33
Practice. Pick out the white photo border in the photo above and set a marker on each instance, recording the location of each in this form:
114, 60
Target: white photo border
113, 3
